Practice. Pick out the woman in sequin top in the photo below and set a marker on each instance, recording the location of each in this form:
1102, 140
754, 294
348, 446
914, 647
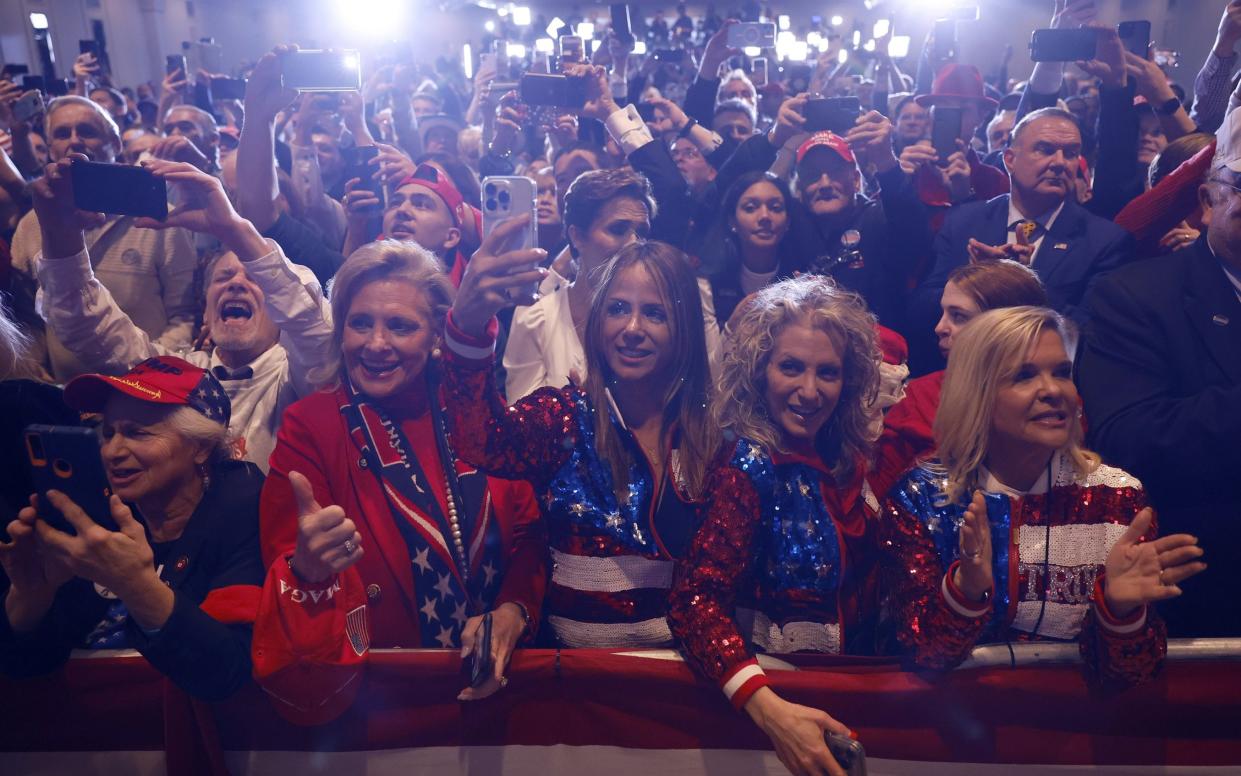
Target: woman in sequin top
617, 462
783, 561
1015, 531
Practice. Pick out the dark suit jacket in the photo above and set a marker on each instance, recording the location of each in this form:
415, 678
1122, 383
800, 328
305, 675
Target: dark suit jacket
1159, 368
1078, 249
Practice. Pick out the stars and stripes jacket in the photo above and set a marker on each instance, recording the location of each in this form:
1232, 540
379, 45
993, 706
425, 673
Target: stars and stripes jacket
1049, 550
612, 564
314, 439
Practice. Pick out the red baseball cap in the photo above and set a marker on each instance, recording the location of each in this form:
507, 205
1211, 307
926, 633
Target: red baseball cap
438, 182
161, 380
826, 139
959, 81
310, 644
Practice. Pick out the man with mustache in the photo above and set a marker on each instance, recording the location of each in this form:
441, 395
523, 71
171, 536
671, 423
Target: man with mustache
1038, 224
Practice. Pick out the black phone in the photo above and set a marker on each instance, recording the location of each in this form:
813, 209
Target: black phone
13, 69
225, 88
322, 71
848, 752
357, 165
835, 114
1069, 45
89, 47
668, 55
174, 63
118, 188
1136, 36
66, 458
37, 82
202, 95
647, 111
480, 663
945, 40
560, 91
58, 87
945, 131
620, 23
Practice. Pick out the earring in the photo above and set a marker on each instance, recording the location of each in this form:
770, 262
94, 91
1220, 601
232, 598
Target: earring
436, 353
205, 474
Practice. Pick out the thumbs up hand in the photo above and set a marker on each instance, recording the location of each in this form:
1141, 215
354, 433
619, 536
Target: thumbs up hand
327, 541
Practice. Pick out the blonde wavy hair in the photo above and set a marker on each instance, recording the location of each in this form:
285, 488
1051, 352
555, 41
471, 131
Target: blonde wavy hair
740, 404
988, 351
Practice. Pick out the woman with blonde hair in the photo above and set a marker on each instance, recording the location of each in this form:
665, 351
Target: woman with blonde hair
1017, 532
374, 531
783, 560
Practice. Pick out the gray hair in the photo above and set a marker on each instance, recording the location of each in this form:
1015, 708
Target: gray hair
109, 124
13, 345
202, 432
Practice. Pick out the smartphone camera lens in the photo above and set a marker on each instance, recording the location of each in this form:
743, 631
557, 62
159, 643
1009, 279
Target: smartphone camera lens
491, 189
491, 204
504, 198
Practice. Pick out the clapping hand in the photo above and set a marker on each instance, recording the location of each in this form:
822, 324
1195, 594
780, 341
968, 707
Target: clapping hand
1141, 572
974, 576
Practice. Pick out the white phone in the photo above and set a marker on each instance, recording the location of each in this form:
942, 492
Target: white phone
506, 197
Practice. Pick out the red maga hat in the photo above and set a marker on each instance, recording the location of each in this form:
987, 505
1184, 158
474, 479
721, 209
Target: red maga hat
441, 184
162, 380
827, 140
962, 82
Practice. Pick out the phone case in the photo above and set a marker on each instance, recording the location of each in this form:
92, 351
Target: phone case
1067, 45
322, 71
481, 666
66, 458
506, 197
848, 753
28, 106
118, 188
747, 34
945, 130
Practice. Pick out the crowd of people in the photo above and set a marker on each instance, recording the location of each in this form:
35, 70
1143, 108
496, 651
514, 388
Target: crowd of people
749, 388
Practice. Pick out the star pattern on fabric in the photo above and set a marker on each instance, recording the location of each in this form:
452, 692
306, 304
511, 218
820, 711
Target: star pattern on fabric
420, 560
428, 610
443, 588
459, 615
445, 638
489, 573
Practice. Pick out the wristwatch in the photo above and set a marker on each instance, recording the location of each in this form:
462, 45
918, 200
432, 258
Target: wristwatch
1169, 107
689, 125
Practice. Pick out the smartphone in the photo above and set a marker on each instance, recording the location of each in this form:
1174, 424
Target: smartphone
66, 458
1136, 36
553, 89
488, 59
745, 34
480, 665
668, 55
12, 69
28, 106
945, 40
118, 188
36, 82
511, 196
225, 88
646, 111
621, 25
848, 752
58, 87
945, 131
322, 71
357, 165
571, 49
1068, 45
758, 71
835, 114
210, 55
174, 63
89, 47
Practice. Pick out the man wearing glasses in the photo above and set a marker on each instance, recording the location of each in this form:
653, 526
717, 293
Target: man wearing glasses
1160, 371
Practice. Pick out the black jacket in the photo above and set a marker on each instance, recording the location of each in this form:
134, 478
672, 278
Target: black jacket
1159, 369
214, 566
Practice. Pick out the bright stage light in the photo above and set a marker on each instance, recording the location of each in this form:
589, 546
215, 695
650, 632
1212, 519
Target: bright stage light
784, 21
38, 21
372, 16
870, 46
881, 27
639, 47
838, 20
799, 52
898, 47
515, 50
586, 30
553, 29
489, 25
545, 45
843, 56
752, 51
521, 15
467, 60
857, 38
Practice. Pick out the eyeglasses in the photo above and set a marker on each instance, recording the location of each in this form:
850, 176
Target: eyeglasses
1235, 189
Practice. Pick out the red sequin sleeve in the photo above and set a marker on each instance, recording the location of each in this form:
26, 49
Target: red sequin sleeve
933, 629
529, 440
703, 598
1120, 652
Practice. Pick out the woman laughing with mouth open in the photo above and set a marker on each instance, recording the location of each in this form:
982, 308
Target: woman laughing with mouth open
782, 562
1016, 532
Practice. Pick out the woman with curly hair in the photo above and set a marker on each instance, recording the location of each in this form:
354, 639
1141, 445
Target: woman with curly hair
1016, 532
782, 562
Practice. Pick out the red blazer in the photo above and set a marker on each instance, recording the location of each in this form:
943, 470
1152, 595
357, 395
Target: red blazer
314, 440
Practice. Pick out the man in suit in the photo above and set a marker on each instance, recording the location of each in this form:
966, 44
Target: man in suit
1039, 224
1160, 371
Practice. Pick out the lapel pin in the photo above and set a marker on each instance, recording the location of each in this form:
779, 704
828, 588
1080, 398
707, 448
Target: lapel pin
1061, 246
1219, 320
